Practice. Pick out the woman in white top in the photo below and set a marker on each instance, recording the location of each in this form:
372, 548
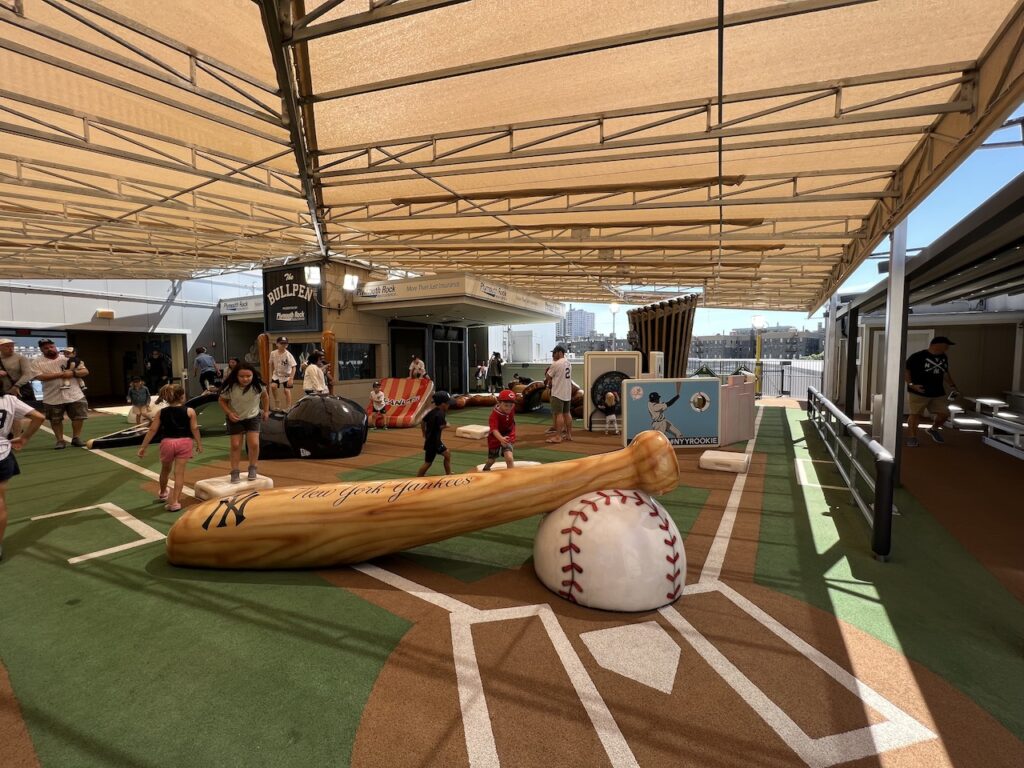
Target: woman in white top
313, 381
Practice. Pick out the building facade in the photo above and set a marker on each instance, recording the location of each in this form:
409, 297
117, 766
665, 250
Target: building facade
777, 343
578, 323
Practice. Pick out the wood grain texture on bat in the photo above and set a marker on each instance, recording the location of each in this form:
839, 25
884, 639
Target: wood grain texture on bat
323, 525
330, 348
263, 348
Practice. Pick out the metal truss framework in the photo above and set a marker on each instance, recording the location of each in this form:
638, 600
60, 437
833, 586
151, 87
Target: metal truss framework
191, 163
945, 103
92, 193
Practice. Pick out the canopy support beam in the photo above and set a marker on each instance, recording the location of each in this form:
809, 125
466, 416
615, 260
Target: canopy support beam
275, 14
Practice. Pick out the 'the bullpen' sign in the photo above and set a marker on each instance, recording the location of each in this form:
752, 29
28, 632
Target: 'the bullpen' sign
686, 411
289, 303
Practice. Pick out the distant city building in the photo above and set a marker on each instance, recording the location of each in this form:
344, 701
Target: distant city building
777, 343
595, 342
522, 343
578, 323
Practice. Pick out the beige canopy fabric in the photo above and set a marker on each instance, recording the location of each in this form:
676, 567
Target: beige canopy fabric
614, 150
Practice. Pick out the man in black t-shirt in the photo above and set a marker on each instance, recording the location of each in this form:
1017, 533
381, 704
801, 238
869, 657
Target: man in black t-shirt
926, 373
432, 425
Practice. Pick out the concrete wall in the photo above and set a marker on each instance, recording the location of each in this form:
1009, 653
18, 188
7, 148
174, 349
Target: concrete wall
140, 306
350, 326
183, 313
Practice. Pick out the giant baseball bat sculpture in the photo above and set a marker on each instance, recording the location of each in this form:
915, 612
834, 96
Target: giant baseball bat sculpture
263, 347
330, 347
323, 525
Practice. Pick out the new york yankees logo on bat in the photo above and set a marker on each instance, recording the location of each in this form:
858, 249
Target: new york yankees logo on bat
235, 505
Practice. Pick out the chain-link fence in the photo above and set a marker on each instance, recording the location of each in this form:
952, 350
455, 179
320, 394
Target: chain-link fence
779, 378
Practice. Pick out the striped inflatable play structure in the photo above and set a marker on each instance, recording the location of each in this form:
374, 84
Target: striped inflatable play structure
408, 400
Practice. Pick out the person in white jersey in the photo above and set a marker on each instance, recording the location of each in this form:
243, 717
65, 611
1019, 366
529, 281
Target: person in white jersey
12, 411
559, 378
282, 375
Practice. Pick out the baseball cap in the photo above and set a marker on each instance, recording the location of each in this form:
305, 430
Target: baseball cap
281, 340
559, 348
942, 340
69, 349
6, 341
506, 396
442, 397
376, 383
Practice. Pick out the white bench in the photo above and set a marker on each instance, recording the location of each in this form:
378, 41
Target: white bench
1005, 432
994, 404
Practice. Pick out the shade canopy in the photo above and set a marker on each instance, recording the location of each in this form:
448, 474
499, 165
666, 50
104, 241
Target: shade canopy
608, 151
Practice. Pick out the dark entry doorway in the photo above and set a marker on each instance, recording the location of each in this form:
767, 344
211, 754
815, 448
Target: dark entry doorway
449, 358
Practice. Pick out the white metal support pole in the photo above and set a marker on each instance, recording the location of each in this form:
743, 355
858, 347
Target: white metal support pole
830, 383
1018, 352
895, 343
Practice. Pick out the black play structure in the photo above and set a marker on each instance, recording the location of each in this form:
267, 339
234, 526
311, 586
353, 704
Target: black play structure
318, 426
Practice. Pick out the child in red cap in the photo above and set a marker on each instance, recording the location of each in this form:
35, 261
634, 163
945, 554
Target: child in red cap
503, 430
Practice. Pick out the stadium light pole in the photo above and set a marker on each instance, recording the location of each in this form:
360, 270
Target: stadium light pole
758, 323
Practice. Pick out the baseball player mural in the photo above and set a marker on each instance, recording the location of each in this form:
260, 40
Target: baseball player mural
657, 410
689, 417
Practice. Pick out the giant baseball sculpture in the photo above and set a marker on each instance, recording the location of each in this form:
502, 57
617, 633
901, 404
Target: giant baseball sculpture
616, 549
324, 525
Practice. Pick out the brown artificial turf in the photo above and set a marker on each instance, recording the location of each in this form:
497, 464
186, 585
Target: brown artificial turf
536, 714
413, 715
16, 749
977, 493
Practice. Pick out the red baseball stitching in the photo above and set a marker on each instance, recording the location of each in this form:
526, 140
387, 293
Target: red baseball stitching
573, 569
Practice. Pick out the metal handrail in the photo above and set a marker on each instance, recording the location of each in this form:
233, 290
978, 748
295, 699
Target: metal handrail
826, 417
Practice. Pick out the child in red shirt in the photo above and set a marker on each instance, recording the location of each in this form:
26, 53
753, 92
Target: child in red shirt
503, 430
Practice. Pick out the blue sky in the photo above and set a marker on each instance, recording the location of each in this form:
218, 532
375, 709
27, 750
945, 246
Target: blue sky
978, 178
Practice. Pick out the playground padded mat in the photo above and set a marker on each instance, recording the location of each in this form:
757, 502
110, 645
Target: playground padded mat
124, 660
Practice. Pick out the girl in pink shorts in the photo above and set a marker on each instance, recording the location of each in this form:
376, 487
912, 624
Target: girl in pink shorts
178, 428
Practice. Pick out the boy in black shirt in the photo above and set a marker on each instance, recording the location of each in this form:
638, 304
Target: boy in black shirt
432, 425
925, 373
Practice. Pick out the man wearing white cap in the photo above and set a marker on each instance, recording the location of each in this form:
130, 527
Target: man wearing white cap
62, 395
15, 369
282, 375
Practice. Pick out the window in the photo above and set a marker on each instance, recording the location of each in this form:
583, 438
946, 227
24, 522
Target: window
357, 361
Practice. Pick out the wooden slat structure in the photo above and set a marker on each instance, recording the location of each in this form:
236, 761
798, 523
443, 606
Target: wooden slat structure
665, 327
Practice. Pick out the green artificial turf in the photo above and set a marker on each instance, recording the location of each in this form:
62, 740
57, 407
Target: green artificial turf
933, 600
127, 661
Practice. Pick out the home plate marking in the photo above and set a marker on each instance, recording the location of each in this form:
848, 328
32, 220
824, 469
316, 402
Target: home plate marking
147, 532
642, 652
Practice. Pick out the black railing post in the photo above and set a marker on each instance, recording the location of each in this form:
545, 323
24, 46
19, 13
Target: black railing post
881, 530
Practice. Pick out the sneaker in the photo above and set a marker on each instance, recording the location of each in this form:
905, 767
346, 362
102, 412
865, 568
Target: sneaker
236, 476
163, 495
252, 473
935, 435
912, 442
59, 445
173, 507
77, 442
